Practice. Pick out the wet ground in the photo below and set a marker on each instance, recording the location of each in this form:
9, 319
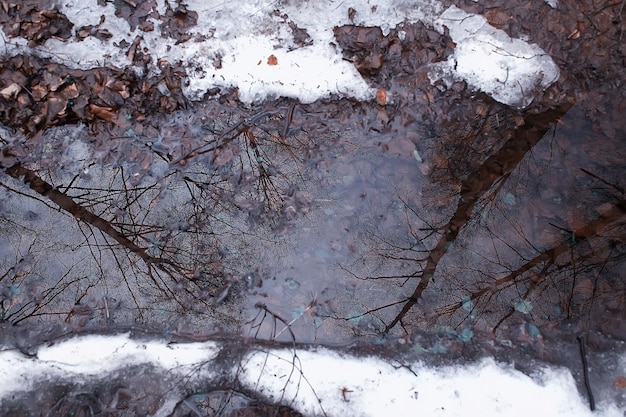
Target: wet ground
435, 213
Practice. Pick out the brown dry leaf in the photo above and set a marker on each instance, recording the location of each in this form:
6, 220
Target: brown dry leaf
51, 77
497, 18
54, 106
11, 91
620, 382
104, 113
119, 87
272, 60
351, 14
23, 100
79, 106
381, 97
70, 92
39, 92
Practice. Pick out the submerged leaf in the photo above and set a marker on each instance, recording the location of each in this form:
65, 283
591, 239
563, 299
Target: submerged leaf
523, 306
533, 331
292, 284
465, 336
509, 199
297, 312
467, 304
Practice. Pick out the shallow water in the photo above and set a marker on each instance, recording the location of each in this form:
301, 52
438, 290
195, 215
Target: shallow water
441, 221
325, 232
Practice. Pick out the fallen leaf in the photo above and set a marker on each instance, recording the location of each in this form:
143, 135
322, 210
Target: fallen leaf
104, 113
11, 91
381, 97
70, 92
272, 60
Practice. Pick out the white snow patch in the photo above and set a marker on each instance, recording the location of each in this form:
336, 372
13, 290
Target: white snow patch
321, 382
97, 356
553, 3
489, 60
233, 41
315, 382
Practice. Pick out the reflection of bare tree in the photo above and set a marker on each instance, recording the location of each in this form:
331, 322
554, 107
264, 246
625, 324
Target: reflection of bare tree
257, 165
160, 237
489, 283
165, 267
495, 169
566, 275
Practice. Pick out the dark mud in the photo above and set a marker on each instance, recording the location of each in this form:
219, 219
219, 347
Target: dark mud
433, 211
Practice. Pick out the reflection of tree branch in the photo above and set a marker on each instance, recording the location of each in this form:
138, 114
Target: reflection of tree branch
548, 258
610, 184
32, 308
66, 203
498, 166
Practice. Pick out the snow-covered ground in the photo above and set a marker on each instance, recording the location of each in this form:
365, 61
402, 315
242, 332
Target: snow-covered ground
314, 382
249, 45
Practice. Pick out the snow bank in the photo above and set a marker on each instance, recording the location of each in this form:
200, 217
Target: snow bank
315, 381
321, 382
249, 45
95, 356
507, 69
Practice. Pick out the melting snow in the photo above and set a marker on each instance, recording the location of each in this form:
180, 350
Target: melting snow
238, 38
342, 385
488, 59
317, 381
96, 356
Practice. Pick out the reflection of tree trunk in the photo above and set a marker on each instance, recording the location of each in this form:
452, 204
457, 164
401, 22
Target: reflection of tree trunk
79, 212
550, 256
498, 167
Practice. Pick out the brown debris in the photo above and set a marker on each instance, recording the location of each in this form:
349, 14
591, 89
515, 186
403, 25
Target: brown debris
104, 113
381, 96
94, 30
300, 36
177, 22
272, 60
36, 94
11, 91
33, 21
137, 13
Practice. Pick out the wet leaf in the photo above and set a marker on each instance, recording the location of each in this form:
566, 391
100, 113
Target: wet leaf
465, 336
318, 322
467, 304
533, 331
10, 92
523, 306
104, 113
381, 96
292, 284
509, 199
297, 312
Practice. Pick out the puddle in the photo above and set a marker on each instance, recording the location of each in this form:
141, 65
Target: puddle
328, 234
432, 217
